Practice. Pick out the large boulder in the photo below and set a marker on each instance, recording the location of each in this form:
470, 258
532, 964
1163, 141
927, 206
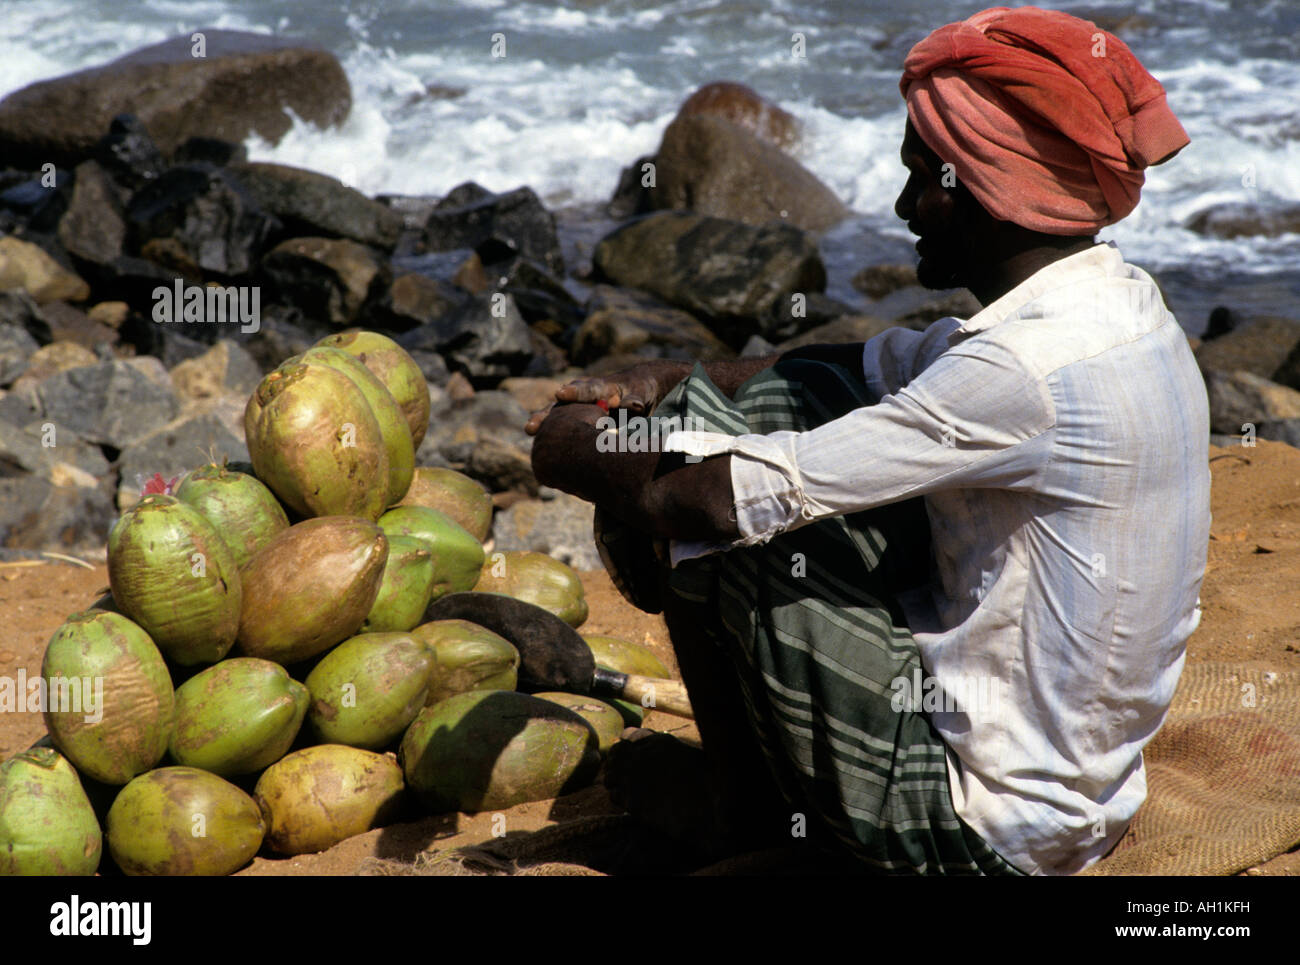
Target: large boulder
174, 449
712, 166
213, 83
1259, 347
1236, 220
746, 108
485, 337
497, 226
1241, 398
93, 228
110, 404
733, 275
16, 348
623, 321
206, 215
329, 279
559, 526
1288, 373
308, 203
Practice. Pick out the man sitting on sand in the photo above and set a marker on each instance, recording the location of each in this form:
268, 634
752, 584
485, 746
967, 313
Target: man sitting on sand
989, 716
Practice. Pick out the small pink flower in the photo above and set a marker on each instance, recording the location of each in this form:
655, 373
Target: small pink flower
158, 485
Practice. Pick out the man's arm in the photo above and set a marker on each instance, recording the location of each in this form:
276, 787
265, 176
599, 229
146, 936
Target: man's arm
658, 493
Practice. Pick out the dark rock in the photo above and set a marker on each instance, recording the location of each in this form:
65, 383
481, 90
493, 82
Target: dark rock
413, 209
38, 203
328, 279
308, 203
632, 195
170, 343
711, 166
16, 347
36, 515
548, 358
1259, 347
1280, 430
1288, 373
627, 322
483, 437
1237, 220
92, 228
413, 300
216, 223
17, 310
730, 274
877, 281
838, 331
244, 84
177, 447
210, 150
284, 332
128, 154
69, 324
1242, 398
541, 297
559, 526
1222, 320
130, 279
958, 304
497, 226
435, 265
800, 312
485, 338
111, 404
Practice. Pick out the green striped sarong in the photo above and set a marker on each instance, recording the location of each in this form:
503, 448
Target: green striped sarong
806, 619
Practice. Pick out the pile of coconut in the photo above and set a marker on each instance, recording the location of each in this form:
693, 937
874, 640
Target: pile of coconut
264, 672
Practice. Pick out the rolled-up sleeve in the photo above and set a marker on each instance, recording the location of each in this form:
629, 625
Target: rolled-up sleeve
973, 418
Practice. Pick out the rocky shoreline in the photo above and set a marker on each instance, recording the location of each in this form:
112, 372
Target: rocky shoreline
150, 275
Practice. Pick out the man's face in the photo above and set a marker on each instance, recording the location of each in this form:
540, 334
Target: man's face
937, 209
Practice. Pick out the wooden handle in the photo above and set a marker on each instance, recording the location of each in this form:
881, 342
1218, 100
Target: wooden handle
650, 692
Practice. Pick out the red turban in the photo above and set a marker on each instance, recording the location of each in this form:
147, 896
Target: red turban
1048, 120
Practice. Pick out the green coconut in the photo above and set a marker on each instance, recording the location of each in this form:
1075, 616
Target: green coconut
395, 368
406, 588
47, 824
311, 587
242, 510
624, 657
318, 796
605, 720
183, 821
453, 493
110, 703
392, 422
173, 574
537, 579
237, 717
491, 749
457, 555
315, 442
367, 690
469, 657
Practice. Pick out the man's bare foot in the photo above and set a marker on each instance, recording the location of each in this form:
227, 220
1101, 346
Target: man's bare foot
665, 783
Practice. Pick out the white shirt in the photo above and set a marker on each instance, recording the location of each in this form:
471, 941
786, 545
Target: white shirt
1060, 439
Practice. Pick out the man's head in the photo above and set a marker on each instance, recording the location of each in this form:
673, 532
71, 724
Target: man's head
1043, 121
